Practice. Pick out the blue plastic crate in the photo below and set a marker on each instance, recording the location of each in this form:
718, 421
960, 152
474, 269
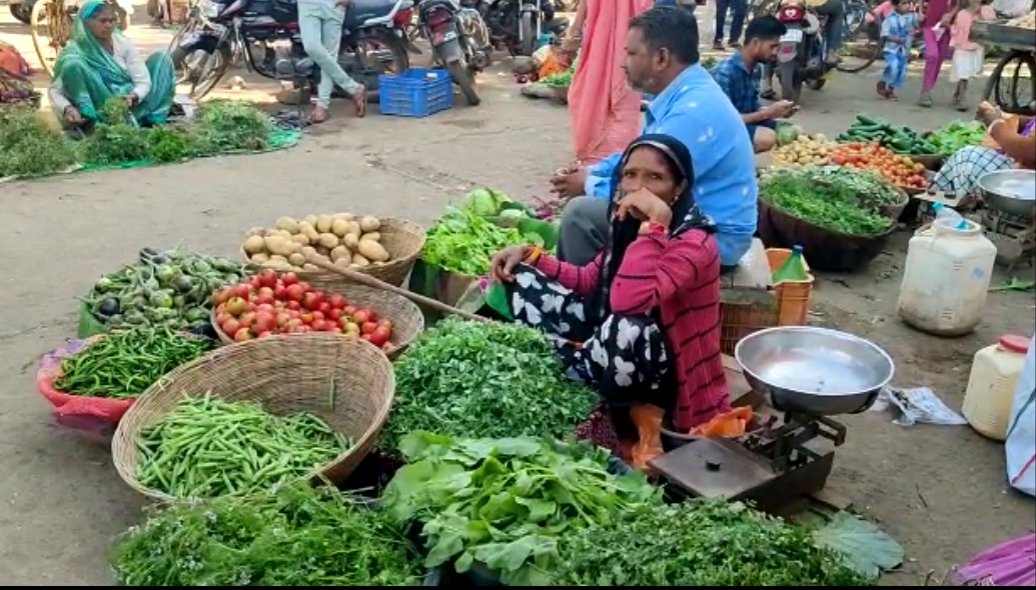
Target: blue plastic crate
416, 92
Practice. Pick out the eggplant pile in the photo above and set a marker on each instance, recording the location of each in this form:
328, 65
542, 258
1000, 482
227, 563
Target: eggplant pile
171, 289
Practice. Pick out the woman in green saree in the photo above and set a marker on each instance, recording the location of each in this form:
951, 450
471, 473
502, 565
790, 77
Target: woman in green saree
100, 63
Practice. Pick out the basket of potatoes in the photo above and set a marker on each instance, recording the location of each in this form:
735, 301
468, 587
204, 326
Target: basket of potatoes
805, 150
382, 248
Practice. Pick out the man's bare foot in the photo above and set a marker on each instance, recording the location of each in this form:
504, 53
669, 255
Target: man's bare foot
882, 89
360, 100
319, 115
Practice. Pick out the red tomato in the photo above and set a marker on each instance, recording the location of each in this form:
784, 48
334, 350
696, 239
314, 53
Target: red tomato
305, 286
236, 306
265, 300
295, 292
385, 324
318, 325
307, 318
289, 278
378, 338
268, 279
244, 291
265, 334
334, 314
366, 337
349, 310
317, 315
265, 307
312, 300
325, 307
265, 291
337, 301
255, 282
230, 327
222, 317
283, 318
361, 316
221, 308
368, 327
264, 322
222, 296
336, 329
246, 319
280, 292
294, 305
242, 335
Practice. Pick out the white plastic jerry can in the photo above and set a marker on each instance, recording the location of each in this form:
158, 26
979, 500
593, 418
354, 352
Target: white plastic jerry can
991, 386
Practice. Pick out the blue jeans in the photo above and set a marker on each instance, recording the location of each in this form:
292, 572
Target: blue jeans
659, 3
737, 24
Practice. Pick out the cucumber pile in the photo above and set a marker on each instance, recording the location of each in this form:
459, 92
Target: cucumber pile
898, 138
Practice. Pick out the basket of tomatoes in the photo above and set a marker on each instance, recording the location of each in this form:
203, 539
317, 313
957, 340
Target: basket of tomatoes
898, 169
280, 303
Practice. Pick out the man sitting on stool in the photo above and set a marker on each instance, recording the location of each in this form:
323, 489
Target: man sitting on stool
739, 77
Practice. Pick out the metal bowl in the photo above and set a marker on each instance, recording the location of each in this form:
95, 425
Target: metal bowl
814, 371
1010, 191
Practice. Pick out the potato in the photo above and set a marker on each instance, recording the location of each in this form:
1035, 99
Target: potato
344, 262
354, 229
340, 252
372, 251
309, 231
373, 236
308, 251
310, 219
278, 245
309, 266
294, 247
360, 261
254, 245
287, 224
343, 216
323, 223
370, 224
256, 231
297, 259
351, 241
302, 239
259, 257
328, 241
339, 227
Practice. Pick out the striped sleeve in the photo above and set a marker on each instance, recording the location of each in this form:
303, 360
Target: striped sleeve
656, 266
581, 279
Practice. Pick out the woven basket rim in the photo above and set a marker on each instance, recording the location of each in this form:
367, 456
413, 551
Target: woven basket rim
161, 387
392, 265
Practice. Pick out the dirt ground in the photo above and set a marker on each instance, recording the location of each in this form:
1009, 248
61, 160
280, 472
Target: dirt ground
940, 491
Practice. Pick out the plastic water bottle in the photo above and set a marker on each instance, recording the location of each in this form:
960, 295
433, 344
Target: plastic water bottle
793, 269
947, 217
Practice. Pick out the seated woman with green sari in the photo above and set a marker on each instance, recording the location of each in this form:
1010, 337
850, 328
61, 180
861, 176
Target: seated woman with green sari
99, 63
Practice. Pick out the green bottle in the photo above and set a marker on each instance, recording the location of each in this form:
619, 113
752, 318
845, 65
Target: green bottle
793, 269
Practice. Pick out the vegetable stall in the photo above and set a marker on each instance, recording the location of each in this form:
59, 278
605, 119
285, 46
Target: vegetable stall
248, 385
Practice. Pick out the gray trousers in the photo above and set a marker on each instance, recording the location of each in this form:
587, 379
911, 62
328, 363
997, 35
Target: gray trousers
320, 25
584, 231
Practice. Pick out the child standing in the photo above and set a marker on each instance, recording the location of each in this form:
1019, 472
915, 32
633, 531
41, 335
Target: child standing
967, 55
897, 32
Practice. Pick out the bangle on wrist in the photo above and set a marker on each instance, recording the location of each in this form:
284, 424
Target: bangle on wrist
532, 255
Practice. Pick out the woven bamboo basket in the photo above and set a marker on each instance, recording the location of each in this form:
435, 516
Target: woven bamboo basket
286, 374
404, 241
406, 317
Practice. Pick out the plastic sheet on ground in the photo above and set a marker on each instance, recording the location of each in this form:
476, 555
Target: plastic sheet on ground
917, 405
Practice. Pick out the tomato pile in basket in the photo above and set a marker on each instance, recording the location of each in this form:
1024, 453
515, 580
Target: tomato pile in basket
269, 304
895, 168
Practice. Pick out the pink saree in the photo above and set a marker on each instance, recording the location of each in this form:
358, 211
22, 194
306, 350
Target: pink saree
605, 112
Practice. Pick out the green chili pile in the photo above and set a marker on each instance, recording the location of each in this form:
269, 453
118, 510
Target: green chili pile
840, 200
123, 364
299, 536
208, 447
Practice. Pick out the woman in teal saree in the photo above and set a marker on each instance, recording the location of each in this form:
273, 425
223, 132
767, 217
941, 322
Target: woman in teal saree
99, 63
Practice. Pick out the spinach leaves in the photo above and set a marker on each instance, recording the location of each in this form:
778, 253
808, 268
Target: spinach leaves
464, 378
502, 504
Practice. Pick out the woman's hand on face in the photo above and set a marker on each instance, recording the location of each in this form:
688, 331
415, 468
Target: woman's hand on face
504, 261
645, 206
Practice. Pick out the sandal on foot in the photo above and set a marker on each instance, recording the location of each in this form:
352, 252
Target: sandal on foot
360, 100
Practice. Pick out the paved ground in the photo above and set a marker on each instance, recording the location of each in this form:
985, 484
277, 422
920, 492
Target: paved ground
940, 491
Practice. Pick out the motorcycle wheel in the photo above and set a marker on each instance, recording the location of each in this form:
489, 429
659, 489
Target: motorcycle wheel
791, 83
466, 80
200, 88
386, 40
817, 84
22, 12
528, 35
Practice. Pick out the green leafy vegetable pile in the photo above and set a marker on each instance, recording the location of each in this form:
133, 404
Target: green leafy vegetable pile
502, 504
464, 242
698, 543
956, 135
464, 378
232, 125
298, 536
562, 79
832, 197
29, 147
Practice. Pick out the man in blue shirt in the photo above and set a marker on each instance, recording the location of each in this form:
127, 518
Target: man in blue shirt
739, 77
662, 59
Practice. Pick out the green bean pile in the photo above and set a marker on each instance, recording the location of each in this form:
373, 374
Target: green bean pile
209, 447
123, 364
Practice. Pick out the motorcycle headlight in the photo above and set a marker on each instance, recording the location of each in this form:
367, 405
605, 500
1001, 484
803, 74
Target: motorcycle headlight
209, 9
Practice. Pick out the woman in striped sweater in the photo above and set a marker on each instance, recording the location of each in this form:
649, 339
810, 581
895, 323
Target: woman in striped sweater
641, 322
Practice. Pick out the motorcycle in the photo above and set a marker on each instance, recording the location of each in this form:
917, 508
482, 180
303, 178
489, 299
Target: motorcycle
460, 42
800, 55
518, 25
257, 31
